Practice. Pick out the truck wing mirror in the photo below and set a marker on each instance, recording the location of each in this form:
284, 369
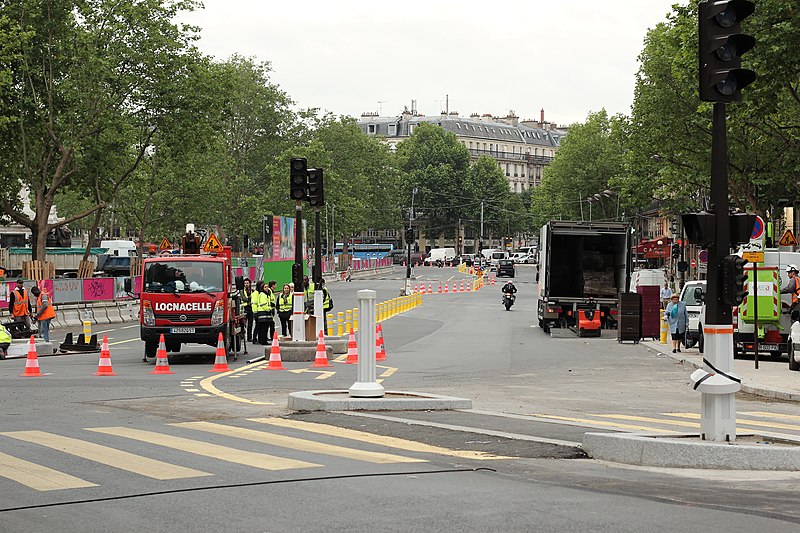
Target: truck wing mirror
795, 315
699, 295
128, 285
238, 281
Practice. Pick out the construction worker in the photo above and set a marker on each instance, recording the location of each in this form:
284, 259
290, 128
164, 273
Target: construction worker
284, 305
259, 305
44, 312
793, 286
308, 289
272, 305
20, 305
327, 302
247, 294
5, 341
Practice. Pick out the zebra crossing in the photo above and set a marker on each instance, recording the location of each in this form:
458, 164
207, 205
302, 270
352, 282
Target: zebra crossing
666, 423
106, 446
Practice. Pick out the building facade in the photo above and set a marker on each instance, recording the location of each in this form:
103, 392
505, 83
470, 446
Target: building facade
521, 148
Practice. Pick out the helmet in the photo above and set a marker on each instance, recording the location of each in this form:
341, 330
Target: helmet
789, 268
179, 285
193, 286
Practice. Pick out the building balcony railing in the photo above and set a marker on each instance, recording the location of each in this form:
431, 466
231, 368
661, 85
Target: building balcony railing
528, 158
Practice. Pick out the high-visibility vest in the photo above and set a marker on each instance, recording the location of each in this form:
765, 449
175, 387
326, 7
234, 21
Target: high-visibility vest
5, 336
265, 301
326, 297
20, 303
309, 291
284, 303
48, 312
795, 290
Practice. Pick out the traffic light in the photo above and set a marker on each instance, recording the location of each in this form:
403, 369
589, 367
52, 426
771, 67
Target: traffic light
676, 250
409, 235
699, 227
721, 47
733, 280
315, 190
298, 172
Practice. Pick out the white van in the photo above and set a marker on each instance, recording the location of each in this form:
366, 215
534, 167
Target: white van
652, 277
119, 247
444, 254
693, 294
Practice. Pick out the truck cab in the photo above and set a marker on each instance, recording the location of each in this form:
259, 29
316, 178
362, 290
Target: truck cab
188, 299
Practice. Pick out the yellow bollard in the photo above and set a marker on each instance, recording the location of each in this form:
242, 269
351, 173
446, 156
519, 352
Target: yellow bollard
340, 322
355, 319
330, 325
664, 329
348, 321
395, 307
87, 331
379, 312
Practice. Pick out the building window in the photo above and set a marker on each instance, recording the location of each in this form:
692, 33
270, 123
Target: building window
411, 128
507, 167
491, 147
515, 170
372, 129
470, 145
484, 147
392, 130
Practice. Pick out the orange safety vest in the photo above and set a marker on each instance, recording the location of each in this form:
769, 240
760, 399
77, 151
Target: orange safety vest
795, 290
20, 303
48, 312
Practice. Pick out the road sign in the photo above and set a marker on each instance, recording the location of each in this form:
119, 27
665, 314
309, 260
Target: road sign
702, 268
212, 244
694, 263
165, 245
758, 229
788, 239
703, 256
754, 257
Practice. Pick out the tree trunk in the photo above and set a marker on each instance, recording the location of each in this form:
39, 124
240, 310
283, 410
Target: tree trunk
92, 232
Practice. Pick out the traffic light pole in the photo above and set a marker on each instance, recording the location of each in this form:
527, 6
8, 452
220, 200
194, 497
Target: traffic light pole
715, 381
298, 304
319, 311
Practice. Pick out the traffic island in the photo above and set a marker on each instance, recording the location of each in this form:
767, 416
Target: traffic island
19, 350
747, 452
340, 400
299, 351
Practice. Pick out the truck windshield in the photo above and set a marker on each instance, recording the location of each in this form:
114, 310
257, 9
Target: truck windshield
183, 276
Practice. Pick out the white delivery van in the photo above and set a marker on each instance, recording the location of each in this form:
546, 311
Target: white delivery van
444, 254
693, 294
119, 247
652, 277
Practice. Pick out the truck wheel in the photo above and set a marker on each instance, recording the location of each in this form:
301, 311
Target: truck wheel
793, 365
546, 328
150, 349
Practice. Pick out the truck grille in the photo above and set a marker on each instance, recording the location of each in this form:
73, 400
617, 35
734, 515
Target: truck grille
190, 317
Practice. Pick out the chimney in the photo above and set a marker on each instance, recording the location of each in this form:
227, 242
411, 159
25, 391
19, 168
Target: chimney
542, 116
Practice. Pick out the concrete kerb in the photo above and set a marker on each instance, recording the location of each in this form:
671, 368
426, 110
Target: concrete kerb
340, 400
749, 452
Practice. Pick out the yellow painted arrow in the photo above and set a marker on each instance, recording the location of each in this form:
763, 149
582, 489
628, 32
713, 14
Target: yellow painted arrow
323, 373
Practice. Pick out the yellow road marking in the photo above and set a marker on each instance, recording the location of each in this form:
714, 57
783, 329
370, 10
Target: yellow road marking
389, 371
648, 419
205, 449
361, 436
123, 342
743, 422
298, 444
602, 423
211, 389
38, 477
772, 415
107, 456
341, 358
324, 374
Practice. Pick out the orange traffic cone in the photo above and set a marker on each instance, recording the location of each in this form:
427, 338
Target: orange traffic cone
380, 348
321, 358
445, 287
221, 359
162, 361
440, 287
32, 363
275, 362
430, 288
461, 287
352, 350
455, 289
104, 366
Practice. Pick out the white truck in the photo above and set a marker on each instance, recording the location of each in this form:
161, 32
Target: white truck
446, 255
581, 265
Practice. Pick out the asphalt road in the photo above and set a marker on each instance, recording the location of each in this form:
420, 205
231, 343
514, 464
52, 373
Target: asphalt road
195, 451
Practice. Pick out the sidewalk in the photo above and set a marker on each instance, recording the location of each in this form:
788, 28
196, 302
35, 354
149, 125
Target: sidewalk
773, 379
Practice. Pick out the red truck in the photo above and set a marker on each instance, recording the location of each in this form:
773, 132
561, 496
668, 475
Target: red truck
189, 299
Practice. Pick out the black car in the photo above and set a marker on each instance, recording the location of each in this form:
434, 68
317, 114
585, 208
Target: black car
505, 267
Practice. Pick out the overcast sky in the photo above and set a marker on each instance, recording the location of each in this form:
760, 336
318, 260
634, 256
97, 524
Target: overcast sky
569, 57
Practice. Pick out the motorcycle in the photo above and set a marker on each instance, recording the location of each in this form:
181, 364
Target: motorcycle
508, 300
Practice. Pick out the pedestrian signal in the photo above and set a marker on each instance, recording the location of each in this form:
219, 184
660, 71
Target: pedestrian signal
212, 244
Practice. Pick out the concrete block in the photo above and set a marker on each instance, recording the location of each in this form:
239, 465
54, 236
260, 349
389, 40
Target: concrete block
300, 351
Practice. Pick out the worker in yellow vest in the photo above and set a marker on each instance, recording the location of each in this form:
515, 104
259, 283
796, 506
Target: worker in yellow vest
5, 341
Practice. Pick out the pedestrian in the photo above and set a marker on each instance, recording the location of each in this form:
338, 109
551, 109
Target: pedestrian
260, 305
44, 312
678, 318
247, 295
327, 302
273, 300
20, 305
284, 305
5, 341
792, 286
666, 294
349, 273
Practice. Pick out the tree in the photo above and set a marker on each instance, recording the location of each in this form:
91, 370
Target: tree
91, 77
486, 184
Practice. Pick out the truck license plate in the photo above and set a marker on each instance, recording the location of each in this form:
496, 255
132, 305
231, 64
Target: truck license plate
181, 330
768, 347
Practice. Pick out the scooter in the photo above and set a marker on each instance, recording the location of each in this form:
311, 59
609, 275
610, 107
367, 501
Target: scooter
508, 300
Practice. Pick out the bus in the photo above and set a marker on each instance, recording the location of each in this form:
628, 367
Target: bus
366, 251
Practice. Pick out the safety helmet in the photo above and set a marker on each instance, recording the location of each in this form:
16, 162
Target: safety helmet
179, 285
194, 286
789, 268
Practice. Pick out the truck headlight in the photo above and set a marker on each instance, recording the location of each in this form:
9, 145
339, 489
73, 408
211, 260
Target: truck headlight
218, 314
148, 317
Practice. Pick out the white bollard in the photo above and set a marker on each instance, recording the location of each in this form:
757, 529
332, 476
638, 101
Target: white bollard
718, 385
298, 316
366, 386
319, 314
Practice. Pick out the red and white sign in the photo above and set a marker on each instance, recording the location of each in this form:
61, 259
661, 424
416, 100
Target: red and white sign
694, 263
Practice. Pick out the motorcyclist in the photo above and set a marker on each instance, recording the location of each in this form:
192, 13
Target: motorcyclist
509, 288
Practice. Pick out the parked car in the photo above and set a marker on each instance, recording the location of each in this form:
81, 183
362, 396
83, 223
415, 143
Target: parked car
519, 257
505, 267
